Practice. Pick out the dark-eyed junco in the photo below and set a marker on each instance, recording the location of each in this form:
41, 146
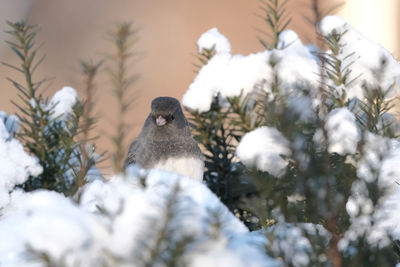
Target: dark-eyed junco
165, 141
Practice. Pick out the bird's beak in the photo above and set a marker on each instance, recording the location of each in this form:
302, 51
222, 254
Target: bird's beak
160, 121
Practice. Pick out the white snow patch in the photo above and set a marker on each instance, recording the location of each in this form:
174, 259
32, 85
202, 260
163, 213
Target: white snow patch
379, 160
111, 225
388, 216
213, 38
380, 165
63, 102
373, 64
263, 148
331, 23
11, 123
379, 226
343, 134
390, 169
47, 222
297, 69
15, 164
296, 65
230, 76
293, 241
227, 75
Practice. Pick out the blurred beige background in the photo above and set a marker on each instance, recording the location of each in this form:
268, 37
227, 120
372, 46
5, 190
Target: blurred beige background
73, 30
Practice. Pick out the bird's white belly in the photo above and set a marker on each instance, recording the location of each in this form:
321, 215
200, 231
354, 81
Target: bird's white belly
189, 167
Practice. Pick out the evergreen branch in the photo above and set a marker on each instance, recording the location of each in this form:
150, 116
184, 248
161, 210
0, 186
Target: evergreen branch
12, 67
123, 38
276, 20
50, 138
85, 154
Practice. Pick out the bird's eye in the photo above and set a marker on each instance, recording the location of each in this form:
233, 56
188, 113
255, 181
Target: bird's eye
172, 117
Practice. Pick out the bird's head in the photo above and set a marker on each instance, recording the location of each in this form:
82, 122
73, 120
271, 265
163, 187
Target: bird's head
166, 113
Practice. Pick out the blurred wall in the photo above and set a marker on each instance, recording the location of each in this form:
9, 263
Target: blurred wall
377, 19
168, 31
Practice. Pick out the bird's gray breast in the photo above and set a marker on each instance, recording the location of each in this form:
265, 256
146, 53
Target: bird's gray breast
182, 156
152, 151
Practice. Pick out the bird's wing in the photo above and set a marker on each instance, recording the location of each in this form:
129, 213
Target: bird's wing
131, 157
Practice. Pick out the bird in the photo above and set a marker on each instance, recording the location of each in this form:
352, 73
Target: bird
165, 142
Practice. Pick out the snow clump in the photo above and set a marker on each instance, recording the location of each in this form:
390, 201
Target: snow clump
263, 148
15, 164
111, 225
63, 102
213, 38
227, 75
370, 64
343, 134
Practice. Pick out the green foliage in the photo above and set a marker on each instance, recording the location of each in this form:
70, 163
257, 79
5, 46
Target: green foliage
336, 71
48, 138
162, 247
220, 129
53, 140
85, 155
204, 57
276, 20
221, 174
375, 107
123, 39
317, 183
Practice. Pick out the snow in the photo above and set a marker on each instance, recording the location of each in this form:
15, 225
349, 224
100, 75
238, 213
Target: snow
330, 23
213, 38
292, 241
390, 169
225, 75
379, 152
149, 204
289, 38
302, 106
63, 102
32, 102
234, 253
263, 148
217, 256
379, 226
296, 66
380, 165
389, 122
15, 164
228, 76
372, 64
342, 131
11, 123
388, 217
49, 223
297, 69
112, 222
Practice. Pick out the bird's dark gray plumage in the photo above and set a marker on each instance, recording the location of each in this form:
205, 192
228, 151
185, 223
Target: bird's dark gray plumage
165, 141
